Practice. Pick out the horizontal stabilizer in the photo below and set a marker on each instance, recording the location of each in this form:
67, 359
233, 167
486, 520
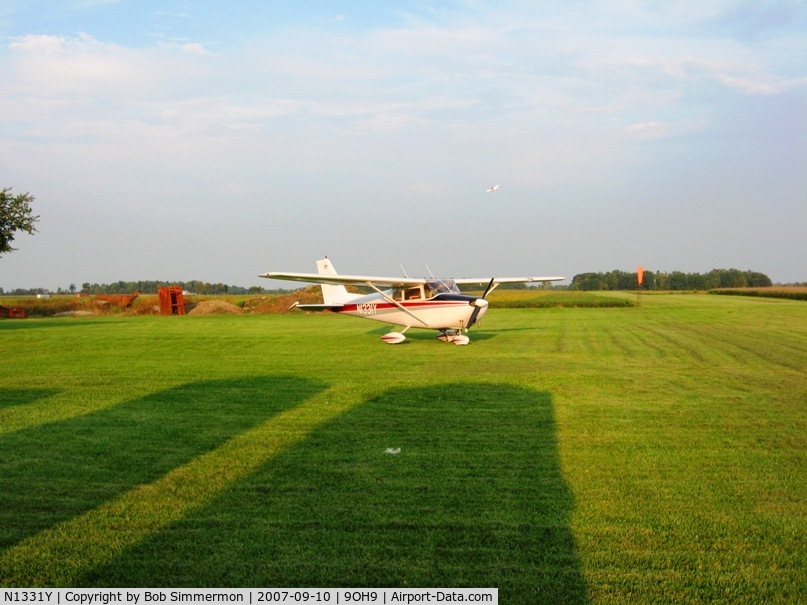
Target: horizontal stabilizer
316, 307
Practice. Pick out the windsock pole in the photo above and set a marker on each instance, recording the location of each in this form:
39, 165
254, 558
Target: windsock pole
640, 277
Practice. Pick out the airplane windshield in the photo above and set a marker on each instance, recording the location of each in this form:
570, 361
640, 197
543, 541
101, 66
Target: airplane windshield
443, 286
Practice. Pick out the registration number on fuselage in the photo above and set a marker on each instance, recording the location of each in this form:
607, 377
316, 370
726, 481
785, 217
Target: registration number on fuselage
370, 308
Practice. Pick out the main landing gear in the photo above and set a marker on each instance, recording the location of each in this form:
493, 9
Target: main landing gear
395, 338
454, 336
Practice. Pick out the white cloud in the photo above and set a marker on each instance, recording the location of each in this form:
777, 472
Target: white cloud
761, 85
648, 130
187, 47
83, 66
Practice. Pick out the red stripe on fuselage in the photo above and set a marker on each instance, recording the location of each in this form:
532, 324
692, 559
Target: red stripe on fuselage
407, 304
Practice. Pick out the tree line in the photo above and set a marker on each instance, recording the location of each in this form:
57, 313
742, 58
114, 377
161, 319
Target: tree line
145, 287
675, 280
150, 287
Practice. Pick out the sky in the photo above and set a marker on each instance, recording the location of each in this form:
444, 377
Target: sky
214, 141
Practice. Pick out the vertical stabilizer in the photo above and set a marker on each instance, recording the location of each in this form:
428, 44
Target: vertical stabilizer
331, 295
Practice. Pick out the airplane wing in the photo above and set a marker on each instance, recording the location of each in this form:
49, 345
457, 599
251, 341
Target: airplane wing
398, 282
346, 280
363, 280
504, 280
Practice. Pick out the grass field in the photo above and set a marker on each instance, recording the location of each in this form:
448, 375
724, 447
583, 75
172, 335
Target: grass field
648, 454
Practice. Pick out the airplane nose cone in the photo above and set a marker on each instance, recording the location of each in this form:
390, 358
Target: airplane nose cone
480, 306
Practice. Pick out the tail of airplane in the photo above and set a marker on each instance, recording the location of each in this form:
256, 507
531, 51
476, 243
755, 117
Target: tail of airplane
332, 294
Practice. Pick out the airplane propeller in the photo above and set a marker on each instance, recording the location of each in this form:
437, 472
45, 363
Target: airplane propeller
480, 303
489, 288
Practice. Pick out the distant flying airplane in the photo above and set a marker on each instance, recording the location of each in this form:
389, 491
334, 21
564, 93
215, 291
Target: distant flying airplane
493, 188
435, 304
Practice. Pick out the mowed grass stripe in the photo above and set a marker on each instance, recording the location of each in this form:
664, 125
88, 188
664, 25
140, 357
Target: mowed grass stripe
748, 342
48, 407
57, 556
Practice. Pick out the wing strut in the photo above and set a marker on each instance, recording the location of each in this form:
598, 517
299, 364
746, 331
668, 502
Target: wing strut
397, 304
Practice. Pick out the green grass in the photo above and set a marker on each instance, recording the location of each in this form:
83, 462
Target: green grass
647, 454
548, 299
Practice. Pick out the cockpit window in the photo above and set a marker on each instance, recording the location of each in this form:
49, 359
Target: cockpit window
442, 286
414, 293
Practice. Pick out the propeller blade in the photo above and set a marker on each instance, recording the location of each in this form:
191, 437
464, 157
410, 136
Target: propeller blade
489, 288
472, 321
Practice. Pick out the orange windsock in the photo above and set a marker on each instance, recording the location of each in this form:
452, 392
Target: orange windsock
640, 274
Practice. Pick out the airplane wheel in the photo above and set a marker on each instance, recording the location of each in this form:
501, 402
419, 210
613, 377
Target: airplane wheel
455, 337
393, 338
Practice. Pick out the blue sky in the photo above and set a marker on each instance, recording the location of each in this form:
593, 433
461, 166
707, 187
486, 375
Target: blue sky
220, 140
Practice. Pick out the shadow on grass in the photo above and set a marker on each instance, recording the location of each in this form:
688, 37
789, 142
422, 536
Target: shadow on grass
475, 498
13, 397
54, 472
476, 334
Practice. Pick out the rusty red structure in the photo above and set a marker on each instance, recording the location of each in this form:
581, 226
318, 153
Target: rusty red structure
12, 313
123, 301
172, 301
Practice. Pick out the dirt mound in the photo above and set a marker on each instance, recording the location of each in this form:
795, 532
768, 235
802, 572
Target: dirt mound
74, 314
215, 307
281, 304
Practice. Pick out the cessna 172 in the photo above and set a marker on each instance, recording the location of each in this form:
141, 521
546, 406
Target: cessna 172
435, 304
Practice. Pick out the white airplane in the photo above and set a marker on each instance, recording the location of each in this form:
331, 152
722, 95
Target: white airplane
493, 188
435, 304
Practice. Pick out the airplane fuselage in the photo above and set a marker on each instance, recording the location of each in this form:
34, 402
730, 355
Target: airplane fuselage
445, 311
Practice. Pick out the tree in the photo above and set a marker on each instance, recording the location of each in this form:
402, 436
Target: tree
759, 280
15, 215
